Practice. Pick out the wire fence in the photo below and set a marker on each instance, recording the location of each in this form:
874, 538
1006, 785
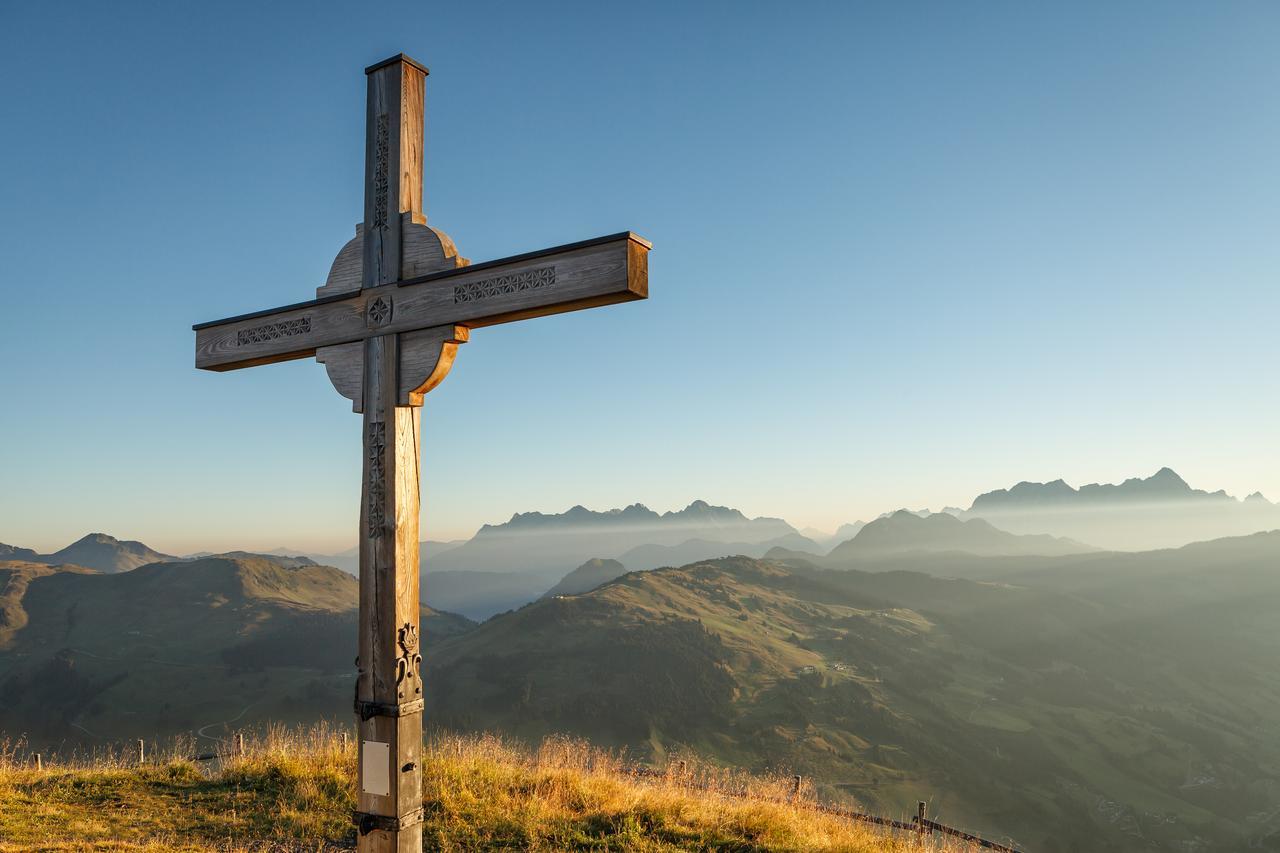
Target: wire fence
919, 823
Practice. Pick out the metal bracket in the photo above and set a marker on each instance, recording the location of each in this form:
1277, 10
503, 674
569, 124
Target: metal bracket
368, 710
367, 823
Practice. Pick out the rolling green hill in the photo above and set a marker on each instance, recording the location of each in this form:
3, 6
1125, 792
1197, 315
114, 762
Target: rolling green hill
176, 647
1072, 709
587, 577
1099, 701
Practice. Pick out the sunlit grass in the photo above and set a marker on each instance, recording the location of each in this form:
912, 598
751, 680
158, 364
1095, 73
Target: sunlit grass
293, 790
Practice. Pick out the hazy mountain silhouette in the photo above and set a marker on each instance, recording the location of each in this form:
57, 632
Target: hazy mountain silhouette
587, 577
95, 551
1159, 511
905, 532
644, 557
1164, 485
538, 543
847, 531
12, 552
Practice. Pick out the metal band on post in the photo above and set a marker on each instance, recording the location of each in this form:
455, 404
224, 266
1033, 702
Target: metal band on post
367, 823
369, 710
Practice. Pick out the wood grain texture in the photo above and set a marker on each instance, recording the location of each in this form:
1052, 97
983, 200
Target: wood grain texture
426, 250
426, 357
389, 624
423, 250
390, 658
345, 365
345, 273
412, 103
597, 274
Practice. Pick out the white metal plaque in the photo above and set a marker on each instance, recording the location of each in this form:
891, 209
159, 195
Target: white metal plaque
375, 768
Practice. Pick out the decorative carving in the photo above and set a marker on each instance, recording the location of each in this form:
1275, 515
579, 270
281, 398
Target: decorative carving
409, 663
377, 449
498, 285
379, 312
381, 154
273, 331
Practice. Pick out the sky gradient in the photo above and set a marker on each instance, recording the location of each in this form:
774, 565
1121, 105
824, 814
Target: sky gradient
903, 253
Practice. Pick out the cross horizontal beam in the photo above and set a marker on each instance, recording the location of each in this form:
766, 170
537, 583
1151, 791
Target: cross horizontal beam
552, 281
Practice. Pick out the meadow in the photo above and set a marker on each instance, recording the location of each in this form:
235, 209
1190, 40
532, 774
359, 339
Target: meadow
292, 790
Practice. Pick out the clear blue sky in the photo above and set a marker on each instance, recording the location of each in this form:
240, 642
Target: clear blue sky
904, 253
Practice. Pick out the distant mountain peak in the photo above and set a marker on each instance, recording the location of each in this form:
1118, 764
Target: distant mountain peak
697, 512
105, 553
1163, 485
588, 576
97, 539
904, 532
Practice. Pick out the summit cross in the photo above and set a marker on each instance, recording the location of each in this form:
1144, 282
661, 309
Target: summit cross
387, 324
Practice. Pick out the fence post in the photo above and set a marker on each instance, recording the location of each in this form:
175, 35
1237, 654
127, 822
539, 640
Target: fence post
795, 789
39, 762
920, 813
344, 740
142, 751
240, 744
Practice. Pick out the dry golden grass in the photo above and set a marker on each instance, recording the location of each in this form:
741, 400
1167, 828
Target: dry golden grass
293, 791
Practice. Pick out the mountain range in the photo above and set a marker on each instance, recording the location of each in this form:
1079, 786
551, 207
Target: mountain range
1088, 700
507, 565
1160, 511
905, 532
94, 551
1164, 485
535, 542
1095, 701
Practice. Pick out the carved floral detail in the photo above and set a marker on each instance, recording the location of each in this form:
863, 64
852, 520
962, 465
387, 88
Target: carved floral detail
409, 663
498, 285
379, 312
273, 331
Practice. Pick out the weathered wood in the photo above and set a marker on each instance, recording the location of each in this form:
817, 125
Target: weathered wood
345, 365
423, 250
344, 273
426, 357
582, 275
390, 677
386, 324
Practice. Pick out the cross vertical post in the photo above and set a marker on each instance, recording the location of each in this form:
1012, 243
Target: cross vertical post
389, 699
386, 325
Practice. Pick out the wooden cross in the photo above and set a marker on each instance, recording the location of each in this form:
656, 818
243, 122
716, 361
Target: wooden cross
386, 325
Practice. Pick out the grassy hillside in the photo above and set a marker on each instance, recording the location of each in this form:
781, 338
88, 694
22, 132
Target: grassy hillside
1101, 702
295, 793
176, 647
1098, 716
